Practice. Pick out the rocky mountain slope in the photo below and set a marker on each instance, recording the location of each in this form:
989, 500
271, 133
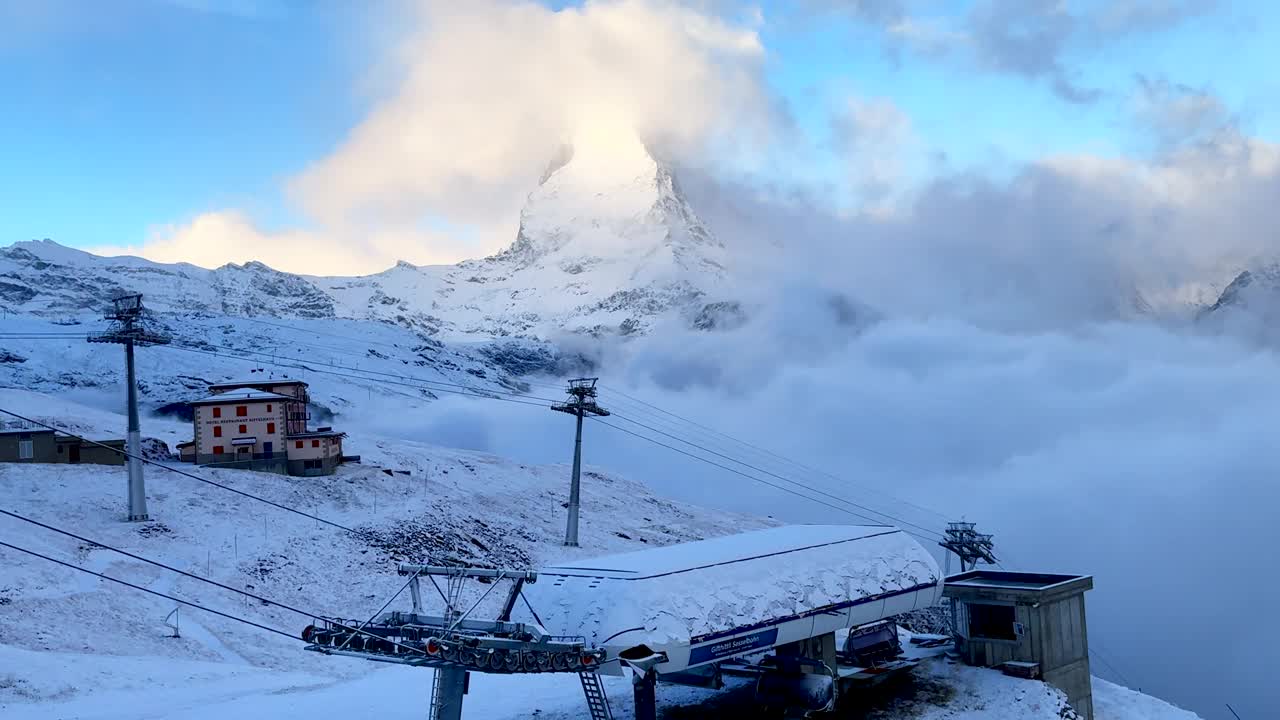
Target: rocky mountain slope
1249, 306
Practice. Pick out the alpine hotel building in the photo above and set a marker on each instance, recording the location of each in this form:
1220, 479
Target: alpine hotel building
261, 425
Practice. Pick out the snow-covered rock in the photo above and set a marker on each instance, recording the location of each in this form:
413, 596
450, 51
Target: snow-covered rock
1249, 306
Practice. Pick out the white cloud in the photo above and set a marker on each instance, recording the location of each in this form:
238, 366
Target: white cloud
492, 89
879, 143
216, 238
489, 90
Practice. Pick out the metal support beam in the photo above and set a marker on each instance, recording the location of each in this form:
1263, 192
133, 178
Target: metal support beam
133, 443
451, 688
581, 402
126, 330
510, 605
467, 572
575, 489
644, 685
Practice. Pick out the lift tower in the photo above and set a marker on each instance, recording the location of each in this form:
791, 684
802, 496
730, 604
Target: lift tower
581, 402
126, 330
963, 539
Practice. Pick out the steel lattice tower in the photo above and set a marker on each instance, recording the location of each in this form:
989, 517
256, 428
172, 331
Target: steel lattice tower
126, 330
968, 544
581, 402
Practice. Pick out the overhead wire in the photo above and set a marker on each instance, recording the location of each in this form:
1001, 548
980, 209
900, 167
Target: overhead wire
431, 385
931, 536
767, 452
149, 591
517, 398
810, 488
183, 473
369, 341
266, 601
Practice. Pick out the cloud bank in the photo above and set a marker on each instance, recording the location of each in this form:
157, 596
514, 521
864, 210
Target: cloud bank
487, 92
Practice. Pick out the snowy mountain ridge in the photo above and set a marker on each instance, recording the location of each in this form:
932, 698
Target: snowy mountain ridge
606, 245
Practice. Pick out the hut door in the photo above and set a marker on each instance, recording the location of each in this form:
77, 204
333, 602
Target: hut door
73, 453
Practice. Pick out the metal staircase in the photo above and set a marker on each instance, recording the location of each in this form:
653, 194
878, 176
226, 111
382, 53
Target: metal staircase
597, 703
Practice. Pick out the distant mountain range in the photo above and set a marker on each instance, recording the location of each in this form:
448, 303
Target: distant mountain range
608, 246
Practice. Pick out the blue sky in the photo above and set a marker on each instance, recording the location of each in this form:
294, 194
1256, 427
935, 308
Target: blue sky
137, 114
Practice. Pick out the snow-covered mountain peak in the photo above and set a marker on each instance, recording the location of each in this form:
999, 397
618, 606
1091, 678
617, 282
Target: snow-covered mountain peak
604, 201
607, 243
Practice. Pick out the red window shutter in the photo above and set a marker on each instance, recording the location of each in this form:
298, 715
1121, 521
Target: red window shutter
268, 407
242, 411
244, 429
299, 444
271, 428
217, 431
315, 443
217, 412
217, 449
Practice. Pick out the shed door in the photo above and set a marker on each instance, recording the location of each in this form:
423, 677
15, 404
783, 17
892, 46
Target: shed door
73, 453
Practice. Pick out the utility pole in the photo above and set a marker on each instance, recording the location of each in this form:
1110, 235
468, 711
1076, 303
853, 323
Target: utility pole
963, 539
581, 402
125, 330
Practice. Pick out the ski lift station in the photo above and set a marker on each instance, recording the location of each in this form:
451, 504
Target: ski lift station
677, 614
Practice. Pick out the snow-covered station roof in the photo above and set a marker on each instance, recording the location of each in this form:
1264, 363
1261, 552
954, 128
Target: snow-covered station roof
240, 395
685, 595
255, 382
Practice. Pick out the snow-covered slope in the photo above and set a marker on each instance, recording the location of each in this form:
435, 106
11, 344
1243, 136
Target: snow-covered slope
74, 646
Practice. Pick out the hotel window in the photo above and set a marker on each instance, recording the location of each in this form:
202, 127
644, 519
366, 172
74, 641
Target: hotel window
242, 411
315, 443
217, 449
244, 429
299, 444
217, 412
271, 428
217, 431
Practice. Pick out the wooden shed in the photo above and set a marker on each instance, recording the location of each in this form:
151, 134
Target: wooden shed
1026, 619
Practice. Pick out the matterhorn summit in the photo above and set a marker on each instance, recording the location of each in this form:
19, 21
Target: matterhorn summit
607, 242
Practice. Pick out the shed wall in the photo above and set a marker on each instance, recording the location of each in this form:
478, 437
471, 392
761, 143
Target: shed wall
43, 447
94, 454
1055, 636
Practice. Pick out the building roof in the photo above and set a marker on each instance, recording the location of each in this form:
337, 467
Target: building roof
240, 395
24, 431
679, 596
982, 582
254, 382
317, 434
72, 438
